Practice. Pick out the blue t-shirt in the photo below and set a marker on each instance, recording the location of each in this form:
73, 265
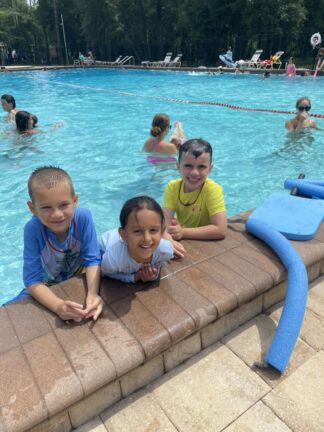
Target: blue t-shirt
118, 264
50, 261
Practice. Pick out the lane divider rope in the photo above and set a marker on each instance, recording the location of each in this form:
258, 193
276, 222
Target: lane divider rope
179, 101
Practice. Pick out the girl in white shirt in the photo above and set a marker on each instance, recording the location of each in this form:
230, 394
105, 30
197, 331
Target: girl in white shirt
136, 250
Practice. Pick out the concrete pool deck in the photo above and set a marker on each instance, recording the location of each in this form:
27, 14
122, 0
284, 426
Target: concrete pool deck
202, 69
55, 377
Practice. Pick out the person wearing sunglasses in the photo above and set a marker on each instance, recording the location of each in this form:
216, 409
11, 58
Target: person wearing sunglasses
301, 120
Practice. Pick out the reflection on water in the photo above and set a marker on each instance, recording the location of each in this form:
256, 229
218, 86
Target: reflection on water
297, 142
16, 146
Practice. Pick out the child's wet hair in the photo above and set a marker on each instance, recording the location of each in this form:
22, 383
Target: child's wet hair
196, 147
135, 205
22, 119
9, 99
160, 123
35, 119
48, 177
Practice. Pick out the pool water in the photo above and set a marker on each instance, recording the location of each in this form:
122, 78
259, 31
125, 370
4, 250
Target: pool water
104, 116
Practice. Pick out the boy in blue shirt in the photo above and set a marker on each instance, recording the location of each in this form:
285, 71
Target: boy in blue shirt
59, 242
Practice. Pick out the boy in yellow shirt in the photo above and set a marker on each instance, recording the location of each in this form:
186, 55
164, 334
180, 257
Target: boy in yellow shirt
196, 200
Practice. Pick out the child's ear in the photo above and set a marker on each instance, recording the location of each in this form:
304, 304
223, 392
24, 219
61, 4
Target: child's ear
162, 229
178, 166
31, 207
211, 167
75, 200
122, 233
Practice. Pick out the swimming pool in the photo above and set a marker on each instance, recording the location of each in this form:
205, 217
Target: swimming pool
99, 142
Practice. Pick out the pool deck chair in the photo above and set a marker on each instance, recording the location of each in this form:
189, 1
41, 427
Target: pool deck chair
254, 62
165, 62
110, 63
176, 62
277, 61
126, 60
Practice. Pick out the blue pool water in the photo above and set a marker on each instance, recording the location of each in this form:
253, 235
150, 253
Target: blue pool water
103, 129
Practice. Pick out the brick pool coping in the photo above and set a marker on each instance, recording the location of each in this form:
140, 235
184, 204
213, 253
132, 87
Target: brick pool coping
54, 376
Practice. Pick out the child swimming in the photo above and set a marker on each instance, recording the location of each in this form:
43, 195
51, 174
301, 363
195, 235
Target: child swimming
25, 122
136, 250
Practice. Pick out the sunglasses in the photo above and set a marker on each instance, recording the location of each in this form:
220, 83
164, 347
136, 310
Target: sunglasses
302, 108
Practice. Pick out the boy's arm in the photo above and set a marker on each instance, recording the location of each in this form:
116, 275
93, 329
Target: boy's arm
91, 256
94, 302
65, 309
178, 249
33, 276
216, 230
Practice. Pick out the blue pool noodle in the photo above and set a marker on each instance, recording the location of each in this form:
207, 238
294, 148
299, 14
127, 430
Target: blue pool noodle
310, 188
292, 315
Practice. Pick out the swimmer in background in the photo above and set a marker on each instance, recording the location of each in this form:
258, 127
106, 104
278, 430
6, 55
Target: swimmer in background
320, 59
266, 75
25, 122
159, 130
9, 105
301, 121
163, 151
290, 68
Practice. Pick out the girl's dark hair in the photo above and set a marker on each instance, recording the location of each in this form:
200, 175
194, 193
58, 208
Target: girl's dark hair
35, 119
196, 147
22, 118
160, 123
9, 99
135, 205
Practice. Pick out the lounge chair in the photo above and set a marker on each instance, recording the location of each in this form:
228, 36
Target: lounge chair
84, 62
110, 63
89, 62
164, 62
254, 62
126, 59
276, 60
176, 62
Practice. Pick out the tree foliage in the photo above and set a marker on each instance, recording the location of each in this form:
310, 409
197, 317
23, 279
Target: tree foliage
147, 29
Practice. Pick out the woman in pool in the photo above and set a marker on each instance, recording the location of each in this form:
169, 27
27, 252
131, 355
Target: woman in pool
157, 143
25, 122
301, 121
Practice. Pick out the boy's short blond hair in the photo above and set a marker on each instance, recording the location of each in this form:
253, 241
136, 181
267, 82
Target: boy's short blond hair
48, 177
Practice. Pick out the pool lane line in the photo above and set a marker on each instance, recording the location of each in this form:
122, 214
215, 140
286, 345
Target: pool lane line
180, 101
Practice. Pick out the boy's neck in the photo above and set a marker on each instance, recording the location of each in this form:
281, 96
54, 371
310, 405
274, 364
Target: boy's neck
186, 190
61, 237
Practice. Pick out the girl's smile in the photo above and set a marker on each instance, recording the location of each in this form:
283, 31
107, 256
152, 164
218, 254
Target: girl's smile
142, 234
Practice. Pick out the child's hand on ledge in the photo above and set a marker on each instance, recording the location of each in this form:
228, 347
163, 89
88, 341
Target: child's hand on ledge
175, 230
69, 310
94, 306
146, 274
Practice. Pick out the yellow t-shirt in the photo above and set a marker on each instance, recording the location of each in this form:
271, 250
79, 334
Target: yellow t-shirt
204, 203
